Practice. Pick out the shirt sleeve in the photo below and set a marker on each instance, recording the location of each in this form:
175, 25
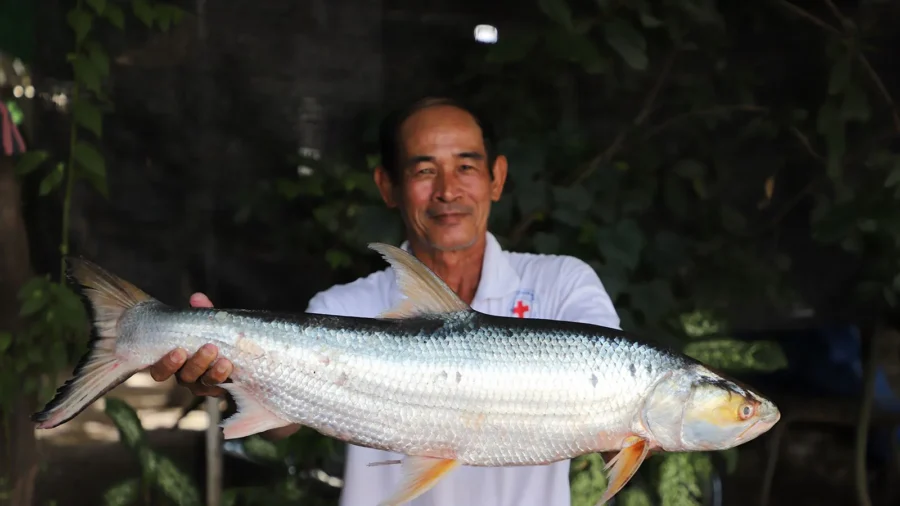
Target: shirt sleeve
322, 303
584, 299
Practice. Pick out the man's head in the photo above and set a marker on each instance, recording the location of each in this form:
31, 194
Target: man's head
440, 169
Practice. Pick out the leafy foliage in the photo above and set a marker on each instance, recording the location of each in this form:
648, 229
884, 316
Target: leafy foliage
161, 481
56, 327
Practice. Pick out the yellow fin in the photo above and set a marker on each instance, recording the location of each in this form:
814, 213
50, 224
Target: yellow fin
419, 475
426, 293
624, 465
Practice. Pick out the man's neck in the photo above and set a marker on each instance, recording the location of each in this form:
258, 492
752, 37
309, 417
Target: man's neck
461, 269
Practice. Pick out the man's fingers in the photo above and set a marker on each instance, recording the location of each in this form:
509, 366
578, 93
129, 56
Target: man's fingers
200, 300
218, 373
168, 365
198, 364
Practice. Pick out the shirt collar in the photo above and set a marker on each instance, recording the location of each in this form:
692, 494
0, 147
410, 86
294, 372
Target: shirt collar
498, 278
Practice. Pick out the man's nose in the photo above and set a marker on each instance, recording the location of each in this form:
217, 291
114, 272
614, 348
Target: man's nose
447, 186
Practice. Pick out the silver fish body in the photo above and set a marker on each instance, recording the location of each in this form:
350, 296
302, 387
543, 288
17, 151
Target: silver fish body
484, 390
431, 379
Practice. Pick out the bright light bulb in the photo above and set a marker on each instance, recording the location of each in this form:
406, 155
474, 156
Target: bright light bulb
18, 91
29, 92
486, 34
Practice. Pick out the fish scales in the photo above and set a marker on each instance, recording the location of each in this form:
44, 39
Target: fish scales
431, 379
491, 390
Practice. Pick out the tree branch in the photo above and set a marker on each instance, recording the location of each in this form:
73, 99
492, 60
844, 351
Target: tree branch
876, 79
713, 111
614, 147
809, 17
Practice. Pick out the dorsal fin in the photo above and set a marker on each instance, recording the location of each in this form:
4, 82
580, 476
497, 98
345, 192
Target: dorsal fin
425, 292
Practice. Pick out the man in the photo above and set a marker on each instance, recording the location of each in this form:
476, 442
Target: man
440, 169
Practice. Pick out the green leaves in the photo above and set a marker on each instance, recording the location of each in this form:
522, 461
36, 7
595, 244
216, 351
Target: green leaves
143, 12
88, 116
840, 75
81, 22
735, 356
92, 164
99, 6
30, 161
558, 11
628, 42
621, 243
163, 474
52, 180
6, 339
87, 74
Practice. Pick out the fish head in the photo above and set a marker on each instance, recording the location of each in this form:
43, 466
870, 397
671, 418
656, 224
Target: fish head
695, 409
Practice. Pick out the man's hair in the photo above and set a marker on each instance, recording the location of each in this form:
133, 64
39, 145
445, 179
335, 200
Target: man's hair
389, 133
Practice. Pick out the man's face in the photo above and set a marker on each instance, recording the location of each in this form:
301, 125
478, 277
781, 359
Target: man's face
444, 190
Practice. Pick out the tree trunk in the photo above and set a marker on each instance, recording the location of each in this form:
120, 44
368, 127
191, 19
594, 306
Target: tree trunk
18, 448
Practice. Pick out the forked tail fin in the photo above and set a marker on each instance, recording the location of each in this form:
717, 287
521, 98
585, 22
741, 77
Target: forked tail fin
101, 369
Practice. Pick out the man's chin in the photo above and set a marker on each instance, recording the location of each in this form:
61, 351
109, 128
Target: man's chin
450, 244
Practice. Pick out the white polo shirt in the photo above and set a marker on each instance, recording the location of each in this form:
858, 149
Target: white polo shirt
518, 285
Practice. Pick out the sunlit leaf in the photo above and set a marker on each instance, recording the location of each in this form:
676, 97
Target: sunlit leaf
627, 41
124, 493
31, 160
176, 484
125, 419
587, 480
736, 355
88, 116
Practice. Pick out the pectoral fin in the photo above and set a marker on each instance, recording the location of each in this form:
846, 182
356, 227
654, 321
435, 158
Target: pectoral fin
624, 465
251, 417
419, 475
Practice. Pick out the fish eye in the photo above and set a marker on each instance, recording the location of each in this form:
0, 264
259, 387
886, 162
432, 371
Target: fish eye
746, 410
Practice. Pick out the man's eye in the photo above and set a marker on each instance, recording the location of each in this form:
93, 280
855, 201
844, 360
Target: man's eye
425, 170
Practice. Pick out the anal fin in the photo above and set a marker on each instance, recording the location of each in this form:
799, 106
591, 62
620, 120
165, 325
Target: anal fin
252, 417
419, 475
624, 465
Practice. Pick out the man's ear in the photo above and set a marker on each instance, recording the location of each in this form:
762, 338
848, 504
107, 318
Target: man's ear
499, 171
385, 186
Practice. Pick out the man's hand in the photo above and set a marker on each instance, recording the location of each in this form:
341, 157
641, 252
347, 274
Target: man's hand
197, 367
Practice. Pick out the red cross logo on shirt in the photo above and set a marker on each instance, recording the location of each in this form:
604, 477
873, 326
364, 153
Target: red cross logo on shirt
520, 309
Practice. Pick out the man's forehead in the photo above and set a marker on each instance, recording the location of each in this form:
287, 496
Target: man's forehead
441, 124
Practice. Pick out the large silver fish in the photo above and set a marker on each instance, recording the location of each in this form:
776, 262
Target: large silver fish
432, 379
